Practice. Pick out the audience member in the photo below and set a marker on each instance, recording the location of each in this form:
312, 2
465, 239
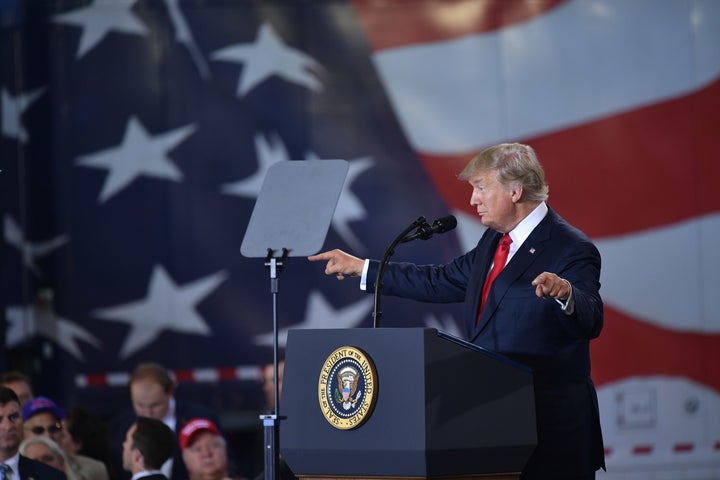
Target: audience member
269, 383
152, 394
86, 434
12, 463
204, 450
44, 449
149, 443
19, 383
42, 417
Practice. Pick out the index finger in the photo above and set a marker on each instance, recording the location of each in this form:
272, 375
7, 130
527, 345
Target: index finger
320, 256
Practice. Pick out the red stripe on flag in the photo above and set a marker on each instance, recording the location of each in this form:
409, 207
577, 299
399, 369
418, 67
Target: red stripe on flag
642, 449
183, 376
96, 380
647, 168
398, 23
227, 373
683, 447
629, 347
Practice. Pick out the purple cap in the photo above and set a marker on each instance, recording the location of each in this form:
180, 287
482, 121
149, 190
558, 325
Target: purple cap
42, 404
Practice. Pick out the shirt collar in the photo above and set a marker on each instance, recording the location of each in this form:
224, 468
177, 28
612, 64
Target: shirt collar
169, 418
12, 462
523, 229
145, 473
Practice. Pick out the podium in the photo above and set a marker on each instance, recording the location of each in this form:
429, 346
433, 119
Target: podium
440, 407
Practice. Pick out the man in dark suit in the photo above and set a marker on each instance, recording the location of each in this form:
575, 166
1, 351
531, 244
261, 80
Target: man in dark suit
541, 309
148, 444
152, 394
10, 437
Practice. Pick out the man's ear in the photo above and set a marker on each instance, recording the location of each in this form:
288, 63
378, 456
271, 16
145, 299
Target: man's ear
137, 459
516, 193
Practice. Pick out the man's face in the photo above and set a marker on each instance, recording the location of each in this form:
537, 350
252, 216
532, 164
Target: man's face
269, 382
493, 202
10, 428
149, 399
206, 457
45, 424
21, 389
127, 451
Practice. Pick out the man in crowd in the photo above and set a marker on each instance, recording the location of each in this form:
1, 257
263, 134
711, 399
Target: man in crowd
149, 443
12, 464
19, 383
204, 450
152, 394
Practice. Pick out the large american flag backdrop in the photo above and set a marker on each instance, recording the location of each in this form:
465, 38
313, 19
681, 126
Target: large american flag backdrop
136, 135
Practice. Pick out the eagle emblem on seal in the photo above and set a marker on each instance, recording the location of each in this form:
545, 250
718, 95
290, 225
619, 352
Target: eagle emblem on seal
347, 392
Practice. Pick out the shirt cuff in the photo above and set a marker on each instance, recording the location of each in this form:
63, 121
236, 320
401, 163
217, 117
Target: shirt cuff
363, 278
568, 306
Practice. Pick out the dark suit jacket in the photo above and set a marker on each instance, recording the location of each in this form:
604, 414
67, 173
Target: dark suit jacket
184, 412
32, 469
531, 330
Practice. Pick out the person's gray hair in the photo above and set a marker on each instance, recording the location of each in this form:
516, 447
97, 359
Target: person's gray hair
53, 446
514, 164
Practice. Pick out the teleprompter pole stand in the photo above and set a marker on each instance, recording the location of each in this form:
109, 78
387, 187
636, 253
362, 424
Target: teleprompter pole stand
271, 425
279, 229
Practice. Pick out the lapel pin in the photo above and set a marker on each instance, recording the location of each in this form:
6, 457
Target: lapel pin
532, 250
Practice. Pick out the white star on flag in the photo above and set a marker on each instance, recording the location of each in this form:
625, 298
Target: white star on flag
100, 18
270, 56
167, 306
321, 314
30, 251
349, 207
26, 322
138, 154
268, 152
13, 109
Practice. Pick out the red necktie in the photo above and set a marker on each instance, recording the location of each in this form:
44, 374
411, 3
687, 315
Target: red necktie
499, 261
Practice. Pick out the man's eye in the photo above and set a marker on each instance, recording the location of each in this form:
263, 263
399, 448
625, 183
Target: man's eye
14, 417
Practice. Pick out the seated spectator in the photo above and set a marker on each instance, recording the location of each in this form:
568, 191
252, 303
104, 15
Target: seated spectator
86, 434
45, 450
152, 394
42, 417
268, 379
268, 385
204, 451
148, 444
19, 383
15, 465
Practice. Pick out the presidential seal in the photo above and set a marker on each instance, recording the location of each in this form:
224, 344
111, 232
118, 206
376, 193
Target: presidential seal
347, 388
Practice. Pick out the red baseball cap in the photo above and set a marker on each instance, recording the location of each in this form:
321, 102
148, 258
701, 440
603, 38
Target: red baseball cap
195, 427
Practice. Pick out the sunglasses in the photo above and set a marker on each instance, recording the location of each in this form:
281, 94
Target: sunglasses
51, 429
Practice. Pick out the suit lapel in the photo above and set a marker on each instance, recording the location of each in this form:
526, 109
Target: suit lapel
528, 252
484, 253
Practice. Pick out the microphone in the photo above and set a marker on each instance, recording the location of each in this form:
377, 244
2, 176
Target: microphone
426, 231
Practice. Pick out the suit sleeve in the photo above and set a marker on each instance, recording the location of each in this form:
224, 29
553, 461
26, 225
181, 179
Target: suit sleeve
581, 267
426, 283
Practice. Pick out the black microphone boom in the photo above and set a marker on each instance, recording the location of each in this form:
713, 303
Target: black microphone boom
422, 230
426, 231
